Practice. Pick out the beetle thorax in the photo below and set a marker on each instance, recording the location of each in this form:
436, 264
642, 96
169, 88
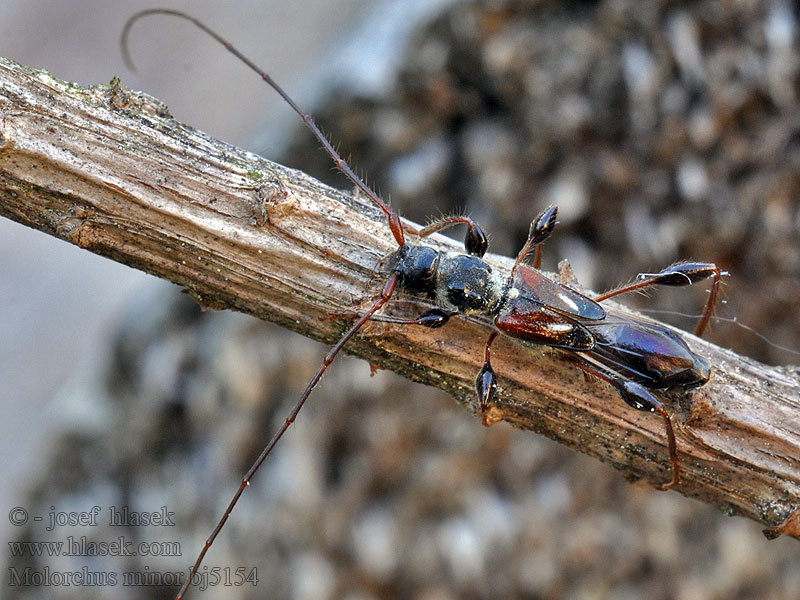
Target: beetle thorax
469, 285
457, 283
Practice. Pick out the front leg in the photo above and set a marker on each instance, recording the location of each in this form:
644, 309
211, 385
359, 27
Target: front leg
475, 242
432, 319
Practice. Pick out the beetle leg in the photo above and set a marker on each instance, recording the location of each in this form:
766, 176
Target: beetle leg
475, 242
637, 396
541, 228
433, 318
486, 386
679, 274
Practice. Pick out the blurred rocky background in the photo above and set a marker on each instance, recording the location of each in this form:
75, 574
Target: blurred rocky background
663, 130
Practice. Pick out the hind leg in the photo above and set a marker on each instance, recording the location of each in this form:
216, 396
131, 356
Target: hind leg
640, 398
679, 274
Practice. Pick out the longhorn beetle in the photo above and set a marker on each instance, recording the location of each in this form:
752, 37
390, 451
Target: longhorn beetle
634, 355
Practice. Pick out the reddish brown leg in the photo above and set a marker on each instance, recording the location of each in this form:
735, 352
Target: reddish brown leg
637, 396
388, 289
475, 241
432, 319
541, 228
537, 257
486, 386
679, 274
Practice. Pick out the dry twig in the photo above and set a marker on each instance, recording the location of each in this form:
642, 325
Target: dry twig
110, 171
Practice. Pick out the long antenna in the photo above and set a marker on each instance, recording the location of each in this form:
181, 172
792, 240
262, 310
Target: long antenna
341, 164
388, 288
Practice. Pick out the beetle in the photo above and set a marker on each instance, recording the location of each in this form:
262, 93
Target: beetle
634, 355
